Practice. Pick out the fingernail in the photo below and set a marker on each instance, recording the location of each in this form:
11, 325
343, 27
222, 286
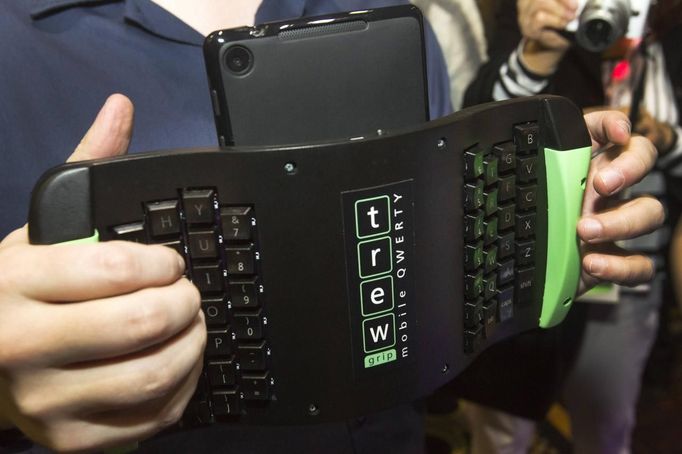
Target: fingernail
625, 126
181, 263
590, 229
597, 266
612, 179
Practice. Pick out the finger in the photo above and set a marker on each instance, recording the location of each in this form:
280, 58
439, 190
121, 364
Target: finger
571, 6
629, 220
122, 428
110, 133
88, 271
608, 126
110, 327
621, 269
145, 422
127, 424
553, 39
117, 383
549, 19
630, 164
18, 236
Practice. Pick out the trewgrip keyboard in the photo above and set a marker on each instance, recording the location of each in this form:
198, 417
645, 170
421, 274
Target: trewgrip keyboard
338, 279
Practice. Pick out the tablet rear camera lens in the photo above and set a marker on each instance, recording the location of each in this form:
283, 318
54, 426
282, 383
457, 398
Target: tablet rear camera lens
238, 59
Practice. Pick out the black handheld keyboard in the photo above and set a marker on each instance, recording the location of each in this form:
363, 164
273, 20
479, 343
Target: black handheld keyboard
338, 279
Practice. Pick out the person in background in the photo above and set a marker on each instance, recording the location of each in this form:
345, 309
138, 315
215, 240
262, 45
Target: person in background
460, 32
101, 344
599, 377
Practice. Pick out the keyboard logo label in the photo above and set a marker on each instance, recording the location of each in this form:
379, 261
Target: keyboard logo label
379, 247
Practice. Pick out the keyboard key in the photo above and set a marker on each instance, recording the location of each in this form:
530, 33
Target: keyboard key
526, 137
472, 339
252, 356
525, 224
248, 326
244, 294
505, 273
525, 280
490, 202
506, 152
526, 168
225, 403
215, 311
221, 373
525, 252
473, 226
163, 218
507, 188
489, 286
130, 232
505, 245
490, 231
505, 303
526, 196
256, 386
490, 164
490, 259
489, 318
240, 260
473, 285
218, 344
199, 206
178, 246
208, 278
473, 163
473, 256
505, 214
472, 313
237, 223
197, 413
202, 244
473, 195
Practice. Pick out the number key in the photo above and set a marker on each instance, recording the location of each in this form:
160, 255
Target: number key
237, 223
248, 326
240, 260
244, 294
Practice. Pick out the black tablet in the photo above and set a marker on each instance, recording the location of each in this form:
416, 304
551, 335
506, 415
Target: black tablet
337, 76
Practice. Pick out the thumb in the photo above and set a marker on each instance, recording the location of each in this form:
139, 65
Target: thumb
110, 133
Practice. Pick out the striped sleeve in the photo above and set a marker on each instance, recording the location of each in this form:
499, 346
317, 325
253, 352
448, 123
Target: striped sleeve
515, 80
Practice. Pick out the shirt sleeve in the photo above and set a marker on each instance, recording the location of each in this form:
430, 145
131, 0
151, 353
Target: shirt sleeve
514, 79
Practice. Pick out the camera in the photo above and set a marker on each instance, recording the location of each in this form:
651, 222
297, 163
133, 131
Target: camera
238, 59
600, 23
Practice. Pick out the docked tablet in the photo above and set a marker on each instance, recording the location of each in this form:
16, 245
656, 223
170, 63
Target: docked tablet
318, 78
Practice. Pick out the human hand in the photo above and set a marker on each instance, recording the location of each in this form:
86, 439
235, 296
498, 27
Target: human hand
661, 134
621, 162
539, 21
100, 344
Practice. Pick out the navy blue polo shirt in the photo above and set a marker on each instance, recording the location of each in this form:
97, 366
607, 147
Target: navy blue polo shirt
60, 60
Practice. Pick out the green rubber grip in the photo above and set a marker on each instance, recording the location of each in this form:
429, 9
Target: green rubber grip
566, 175
91, 239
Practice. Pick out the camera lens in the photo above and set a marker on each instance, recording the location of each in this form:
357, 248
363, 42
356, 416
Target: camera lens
602, 23
599, 33
238, 59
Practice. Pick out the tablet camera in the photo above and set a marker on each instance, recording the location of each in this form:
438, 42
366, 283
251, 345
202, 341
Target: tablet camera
238, 59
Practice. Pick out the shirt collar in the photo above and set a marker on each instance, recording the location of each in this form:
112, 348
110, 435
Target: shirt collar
151, 17
143, 13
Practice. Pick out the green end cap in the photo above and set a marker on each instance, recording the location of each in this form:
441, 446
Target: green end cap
92, 239
566, 173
